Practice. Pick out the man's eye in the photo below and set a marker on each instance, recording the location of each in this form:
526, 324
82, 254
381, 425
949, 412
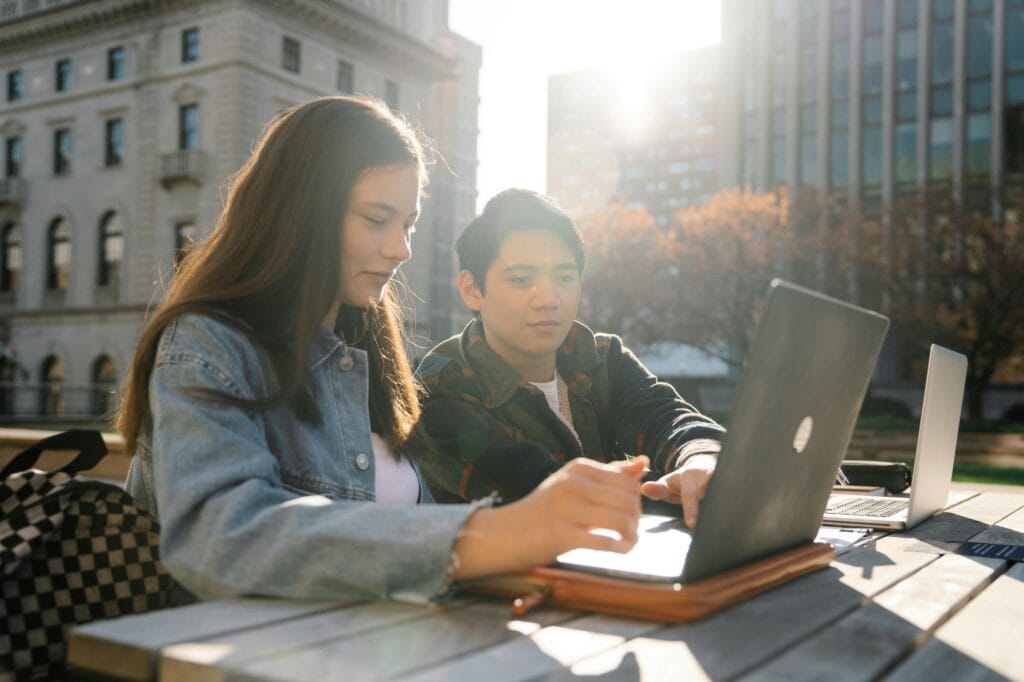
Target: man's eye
375, 221
520, 281
568, 279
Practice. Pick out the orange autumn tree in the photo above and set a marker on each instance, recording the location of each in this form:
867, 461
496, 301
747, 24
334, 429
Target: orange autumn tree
628, 261
946, 275
724, 255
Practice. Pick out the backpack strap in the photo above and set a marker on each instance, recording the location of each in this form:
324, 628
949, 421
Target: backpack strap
89, 443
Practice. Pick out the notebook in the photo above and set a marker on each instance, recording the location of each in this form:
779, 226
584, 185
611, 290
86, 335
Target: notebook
933, 460
803, 382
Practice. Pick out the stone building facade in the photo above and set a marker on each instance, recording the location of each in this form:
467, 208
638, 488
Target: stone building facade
121, 122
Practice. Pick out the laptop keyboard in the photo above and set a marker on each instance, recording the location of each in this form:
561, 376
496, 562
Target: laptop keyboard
867, 506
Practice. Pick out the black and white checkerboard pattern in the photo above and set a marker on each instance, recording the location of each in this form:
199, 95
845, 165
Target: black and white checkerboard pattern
70, 552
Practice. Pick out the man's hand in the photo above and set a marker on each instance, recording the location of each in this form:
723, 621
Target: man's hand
685, 485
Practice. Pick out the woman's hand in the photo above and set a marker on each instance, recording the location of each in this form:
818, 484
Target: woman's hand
559, 515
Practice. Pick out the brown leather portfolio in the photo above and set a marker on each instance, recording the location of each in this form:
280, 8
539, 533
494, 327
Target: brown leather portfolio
663, 601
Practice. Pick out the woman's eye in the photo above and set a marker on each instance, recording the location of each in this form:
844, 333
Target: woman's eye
375, 221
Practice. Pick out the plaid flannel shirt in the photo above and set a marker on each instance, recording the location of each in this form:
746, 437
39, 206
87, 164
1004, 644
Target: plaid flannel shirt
496, 434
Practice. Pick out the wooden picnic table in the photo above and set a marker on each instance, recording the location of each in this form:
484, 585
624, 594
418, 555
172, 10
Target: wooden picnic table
897, 606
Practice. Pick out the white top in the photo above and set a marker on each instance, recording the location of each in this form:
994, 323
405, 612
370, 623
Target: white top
395, 482
550, 389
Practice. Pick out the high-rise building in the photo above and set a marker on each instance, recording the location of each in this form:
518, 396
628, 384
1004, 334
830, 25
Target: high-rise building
121, 121
647, 137
868, 100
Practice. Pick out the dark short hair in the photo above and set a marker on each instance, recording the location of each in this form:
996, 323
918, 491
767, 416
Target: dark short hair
510, 211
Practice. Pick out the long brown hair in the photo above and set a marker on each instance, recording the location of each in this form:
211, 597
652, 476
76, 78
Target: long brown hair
271, 265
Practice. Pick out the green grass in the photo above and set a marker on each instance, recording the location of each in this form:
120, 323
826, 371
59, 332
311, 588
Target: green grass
983, 473
889, 423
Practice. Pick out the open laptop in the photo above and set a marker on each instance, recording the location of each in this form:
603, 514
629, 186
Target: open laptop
933, 461
803, 382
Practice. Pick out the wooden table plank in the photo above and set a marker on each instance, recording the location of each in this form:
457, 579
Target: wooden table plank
735, 640
869, 641
400, 648
540, 653
780, 619
864, 644
982, 642
208, 659
127, 647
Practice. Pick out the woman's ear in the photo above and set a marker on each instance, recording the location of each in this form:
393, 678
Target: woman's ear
469, 291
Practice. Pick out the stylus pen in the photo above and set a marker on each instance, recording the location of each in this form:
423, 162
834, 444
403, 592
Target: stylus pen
841, 478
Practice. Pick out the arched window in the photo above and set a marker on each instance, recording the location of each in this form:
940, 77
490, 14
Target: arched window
51, 398
104, 380
10, 257
58, 254
111, 249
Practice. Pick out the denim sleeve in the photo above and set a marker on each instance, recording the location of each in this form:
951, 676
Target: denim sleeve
230, 527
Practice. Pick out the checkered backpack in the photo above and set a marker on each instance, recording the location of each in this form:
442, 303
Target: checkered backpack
71, 551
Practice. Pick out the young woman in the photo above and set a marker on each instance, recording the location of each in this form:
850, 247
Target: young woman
271, 407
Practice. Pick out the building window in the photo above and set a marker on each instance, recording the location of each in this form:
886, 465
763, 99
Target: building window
114, 146
979, 88
62, 75
111, 249
940, 127
12, 157
62, 151
346, 77
15, 85
115, 63
58, 254
809, 92
104, 385
51, 395
1014, 112
190, 45
840, 116
871, 102
188, 126
10, 258
391, 94
291, 54
184, 240
906, 92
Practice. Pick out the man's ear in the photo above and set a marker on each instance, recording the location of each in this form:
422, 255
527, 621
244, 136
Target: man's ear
469, 291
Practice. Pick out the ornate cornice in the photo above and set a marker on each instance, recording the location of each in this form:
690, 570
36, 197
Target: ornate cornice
369, 34
70, 17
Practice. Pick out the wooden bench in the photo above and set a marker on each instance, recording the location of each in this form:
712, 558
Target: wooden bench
114, 466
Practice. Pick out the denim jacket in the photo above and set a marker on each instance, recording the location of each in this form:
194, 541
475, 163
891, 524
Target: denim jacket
263, 503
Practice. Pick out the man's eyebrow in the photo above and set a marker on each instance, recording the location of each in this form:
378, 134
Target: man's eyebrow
521, 266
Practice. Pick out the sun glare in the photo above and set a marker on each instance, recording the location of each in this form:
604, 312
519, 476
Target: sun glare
526, 41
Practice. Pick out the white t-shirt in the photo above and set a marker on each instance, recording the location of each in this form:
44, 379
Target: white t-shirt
550, 391
395, 482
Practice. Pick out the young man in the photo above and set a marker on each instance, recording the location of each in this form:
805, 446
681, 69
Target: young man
525, 387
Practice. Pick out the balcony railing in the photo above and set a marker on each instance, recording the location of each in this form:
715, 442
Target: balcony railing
13, 191
32, 402
184, 165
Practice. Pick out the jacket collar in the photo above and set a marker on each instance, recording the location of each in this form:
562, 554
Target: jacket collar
499, 382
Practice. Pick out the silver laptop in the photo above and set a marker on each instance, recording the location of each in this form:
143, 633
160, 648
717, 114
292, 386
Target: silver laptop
933, 461
803, 382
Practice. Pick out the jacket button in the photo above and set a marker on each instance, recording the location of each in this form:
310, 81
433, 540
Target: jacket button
345, 363
362, 461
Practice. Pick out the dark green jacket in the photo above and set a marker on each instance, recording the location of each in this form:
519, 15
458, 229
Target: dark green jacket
494, 433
